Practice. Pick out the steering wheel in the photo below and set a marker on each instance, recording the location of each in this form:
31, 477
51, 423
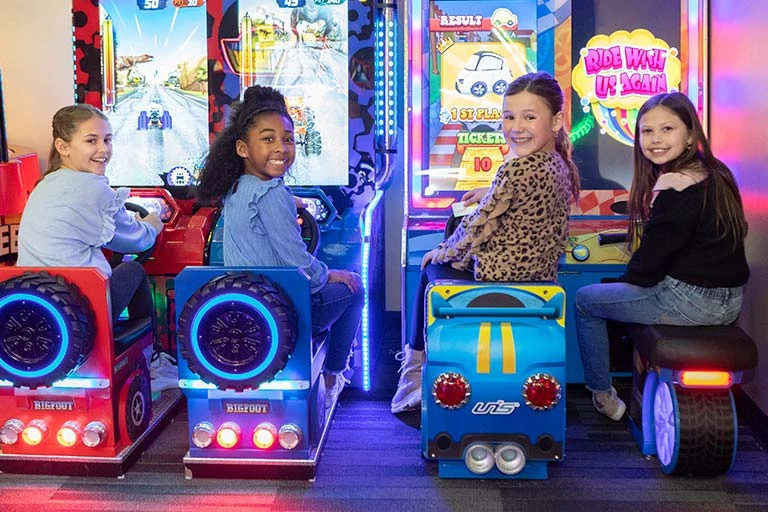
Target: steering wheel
115, 258
310, 230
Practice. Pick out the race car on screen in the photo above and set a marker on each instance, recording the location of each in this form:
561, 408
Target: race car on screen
155, 118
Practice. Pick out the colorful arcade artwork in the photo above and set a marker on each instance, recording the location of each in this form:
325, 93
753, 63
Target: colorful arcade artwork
155, 93
301, 48
475, 51
616, 74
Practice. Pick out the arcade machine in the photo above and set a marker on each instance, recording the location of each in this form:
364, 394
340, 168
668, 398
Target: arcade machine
145, 64
19, 171
255, 412
334, 63
74, 385
608, 58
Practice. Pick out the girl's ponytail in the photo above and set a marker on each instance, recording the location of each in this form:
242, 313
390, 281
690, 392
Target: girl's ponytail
564, 146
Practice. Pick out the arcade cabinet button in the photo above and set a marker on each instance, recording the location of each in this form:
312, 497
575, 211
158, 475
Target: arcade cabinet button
580, 253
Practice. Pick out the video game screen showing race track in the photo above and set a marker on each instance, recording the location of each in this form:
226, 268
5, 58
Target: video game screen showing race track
300, 47
155, 89
475, 50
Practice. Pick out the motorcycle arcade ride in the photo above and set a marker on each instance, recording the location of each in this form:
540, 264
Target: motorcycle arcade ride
682, 407
251, 370
493, 395
75, 395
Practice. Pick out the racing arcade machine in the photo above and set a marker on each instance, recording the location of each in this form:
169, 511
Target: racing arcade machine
256, 402
156, 99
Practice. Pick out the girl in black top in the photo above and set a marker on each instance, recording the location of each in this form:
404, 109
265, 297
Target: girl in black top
690, 268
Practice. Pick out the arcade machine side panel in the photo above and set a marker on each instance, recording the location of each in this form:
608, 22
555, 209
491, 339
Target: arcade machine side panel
19, 171
463, 55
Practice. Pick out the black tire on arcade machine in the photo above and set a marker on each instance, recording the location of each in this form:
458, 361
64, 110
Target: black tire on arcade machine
232, 338
319, 420
695, 430
46, 329
138, 404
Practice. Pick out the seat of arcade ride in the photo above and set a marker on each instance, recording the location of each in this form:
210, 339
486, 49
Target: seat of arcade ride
127, 332
722, 347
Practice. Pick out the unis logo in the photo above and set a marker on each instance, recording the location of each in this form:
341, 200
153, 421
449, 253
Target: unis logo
51, 405
246, 407
497, 407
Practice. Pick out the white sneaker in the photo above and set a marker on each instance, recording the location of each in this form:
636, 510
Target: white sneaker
332, 393
609, 404
408, 394
163, 372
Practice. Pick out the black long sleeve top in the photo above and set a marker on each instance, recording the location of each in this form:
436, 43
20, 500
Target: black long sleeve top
680, 240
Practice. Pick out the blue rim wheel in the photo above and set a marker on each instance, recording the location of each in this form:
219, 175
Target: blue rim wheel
695, 430
237, 331
46, 329
479, 89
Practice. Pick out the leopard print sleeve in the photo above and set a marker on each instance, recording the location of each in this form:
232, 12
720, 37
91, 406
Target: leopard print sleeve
476, 229
519, 230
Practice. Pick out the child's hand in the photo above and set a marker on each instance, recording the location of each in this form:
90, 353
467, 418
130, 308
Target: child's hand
429, 258
350, 279
153, 220
474, 196
299, 202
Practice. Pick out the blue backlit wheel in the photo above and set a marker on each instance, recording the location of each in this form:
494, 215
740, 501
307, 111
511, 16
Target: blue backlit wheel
695, 430
46, 329
237, 331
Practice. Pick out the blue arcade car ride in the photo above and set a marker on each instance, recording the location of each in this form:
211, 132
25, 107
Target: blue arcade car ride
250, 368
493, 385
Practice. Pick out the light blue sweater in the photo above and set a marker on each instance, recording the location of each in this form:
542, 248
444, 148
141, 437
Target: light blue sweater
260, 229
71, 215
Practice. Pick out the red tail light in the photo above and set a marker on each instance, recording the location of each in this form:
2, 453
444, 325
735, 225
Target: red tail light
69, 434
34, 433
228, 434
541, 392
451, 390
264, 435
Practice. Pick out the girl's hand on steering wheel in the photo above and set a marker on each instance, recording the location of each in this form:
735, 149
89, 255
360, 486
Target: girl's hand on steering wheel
153, 220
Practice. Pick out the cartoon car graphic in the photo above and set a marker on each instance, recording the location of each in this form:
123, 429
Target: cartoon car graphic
484, 71
505, 19
156, 118
305, 132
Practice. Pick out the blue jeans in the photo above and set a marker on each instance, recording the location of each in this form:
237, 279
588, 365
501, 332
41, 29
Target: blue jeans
337, 309
430, 273
129, 287
670, 302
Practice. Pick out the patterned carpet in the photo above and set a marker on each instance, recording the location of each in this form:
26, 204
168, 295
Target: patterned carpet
372, 463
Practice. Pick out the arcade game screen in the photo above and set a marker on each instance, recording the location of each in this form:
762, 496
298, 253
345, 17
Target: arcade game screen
155, 76
300, 47
623, 53
475, 50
